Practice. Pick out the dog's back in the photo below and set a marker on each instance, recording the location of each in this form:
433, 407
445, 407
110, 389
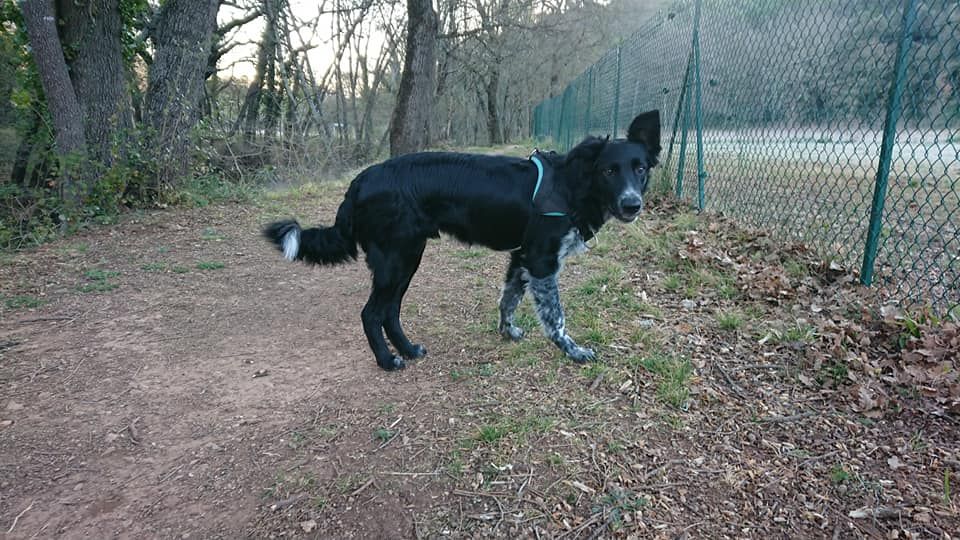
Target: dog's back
477, 199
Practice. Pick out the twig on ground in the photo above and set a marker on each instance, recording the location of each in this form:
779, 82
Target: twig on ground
596, 382
733, 386
20, 515
279, 505
388, 441
362, 487
787, 419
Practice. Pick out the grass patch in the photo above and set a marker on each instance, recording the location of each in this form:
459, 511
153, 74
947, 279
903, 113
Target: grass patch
618, 502
179, 269
209, 265
211, 234
154, 267
795, 269
730, 320
672, 283
839, 475
673, 388
97, 286
98, 281
469, 254
23, 302
483, 370
383, 434
593, 370
491, 433
100, 275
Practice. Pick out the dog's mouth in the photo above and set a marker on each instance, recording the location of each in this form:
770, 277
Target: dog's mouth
627, 215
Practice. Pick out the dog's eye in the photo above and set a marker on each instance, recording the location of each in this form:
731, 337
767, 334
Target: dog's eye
640, 169
608, 171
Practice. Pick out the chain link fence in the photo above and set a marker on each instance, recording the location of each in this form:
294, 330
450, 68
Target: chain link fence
831, 122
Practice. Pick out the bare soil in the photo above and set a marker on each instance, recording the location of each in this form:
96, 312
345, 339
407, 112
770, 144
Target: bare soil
171, 377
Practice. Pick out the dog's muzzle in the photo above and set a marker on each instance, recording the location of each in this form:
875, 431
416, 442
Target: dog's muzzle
629, 207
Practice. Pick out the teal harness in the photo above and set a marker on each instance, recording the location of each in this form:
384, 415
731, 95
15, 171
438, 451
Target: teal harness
536, 161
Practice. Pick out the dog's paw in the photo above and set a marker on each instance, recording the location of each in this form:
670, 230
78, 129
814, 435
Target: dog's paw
511, 332
582, 355
392, 363
415, 352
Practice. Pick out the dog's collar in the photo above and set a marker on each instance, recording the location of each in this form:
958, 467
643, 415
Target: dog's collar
536, 161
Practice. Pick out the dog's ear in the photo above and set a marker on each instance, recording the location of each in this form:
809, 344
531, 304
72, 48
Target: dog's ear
645, 129
588, 150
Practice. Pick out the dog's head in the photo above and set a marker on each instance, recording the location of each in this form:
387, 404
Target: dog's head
619, 169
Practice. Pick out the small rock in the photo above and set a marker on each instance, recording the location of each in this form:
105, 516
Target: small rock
646, 323
308, 525
688, 304
260, 373
14, 406
78, 487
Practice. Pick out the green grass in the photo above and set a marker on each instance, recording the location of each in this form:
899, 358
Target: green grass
210, 234
98, 281
673, 386
483, 370
593, 370
730, 320
798, 333
469, 253
618, 502
795, 269
839, 475
154, 267
383, 434
179, 269
97, 274
209, 265
23, 302
491, 433
672, 283
97, 286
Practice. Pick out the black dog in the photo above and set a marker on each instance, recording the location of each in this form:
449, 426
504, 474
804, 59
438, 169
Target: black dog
540, 209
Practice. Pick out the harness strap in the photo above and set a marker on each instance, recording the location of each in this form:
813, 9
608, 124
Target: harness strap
536, 189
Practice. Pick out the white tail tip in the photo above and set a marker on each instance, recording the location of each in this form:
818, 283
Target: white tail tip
291, 244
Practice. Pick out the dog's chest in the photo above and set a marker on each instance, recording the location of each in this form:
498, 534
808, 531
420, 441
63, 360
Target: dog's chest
571, 244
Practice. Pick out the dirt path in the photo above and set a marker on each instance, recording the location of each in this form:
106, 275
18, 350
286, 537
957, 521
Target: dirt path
178, 380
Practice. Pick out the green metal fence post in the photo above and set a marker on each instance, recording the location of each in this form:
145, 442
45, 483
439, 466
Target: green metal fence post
886, 145
681, 161
589, 111
616, 95
676, 116
701, 171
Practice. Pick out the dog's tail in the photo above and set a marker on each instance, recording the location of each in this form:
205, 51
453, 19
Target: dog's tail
317, 245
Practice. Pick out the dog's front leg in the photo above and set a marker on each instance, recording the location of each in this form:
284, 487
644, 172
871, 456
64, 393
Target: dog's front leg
546, 297
514, 286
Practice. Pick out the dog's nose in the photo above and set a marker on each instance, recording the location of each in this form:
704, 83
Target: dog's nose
631, 204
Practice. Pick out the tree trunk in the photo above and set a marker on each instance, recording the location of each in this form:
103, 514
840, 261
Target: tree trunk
38, 16
410, 126
184, 32
493, 110
92, 31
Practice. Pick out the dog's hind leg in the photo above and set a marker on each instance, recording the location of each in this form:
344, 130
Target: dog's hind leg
514, 287
406, 268
385, 285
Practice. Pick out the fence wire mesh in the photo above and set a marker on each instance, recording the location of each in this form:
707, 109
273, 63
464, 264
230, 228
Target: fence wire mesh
816, 115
